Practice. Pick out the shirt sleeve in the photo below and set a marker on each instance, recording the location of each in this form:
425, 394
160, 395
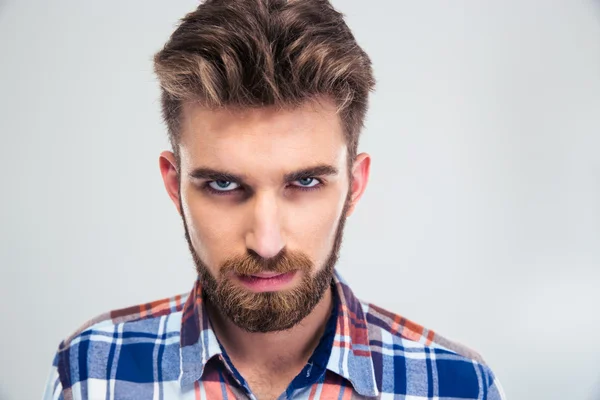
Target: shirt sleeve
495, 391
53, 389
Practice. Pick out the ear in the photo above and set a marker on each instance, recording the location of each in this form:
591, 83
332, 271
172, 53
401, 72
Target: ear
360, 178
170, 175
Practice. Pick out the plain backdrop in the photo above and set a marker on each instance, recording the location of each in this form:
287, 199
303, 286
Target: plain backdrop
481, 220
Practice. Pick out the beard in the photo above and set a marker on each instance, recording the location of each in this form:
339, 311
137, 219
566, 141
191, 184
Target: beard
267, 311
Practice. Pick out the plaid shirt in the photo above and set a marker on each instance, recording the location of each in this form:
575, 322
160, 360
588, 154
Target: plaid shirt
167, 350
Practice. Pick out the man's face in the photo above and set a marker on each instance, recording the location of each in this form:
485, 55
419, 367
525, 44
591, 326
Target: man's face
263, 194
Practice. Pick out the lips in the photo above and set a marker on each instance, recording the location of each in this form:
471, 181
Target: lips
267, 281
267, 275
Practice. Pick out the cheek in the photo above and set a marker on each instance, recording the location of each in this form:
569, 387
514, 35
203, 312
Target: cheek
315, 229
213, 234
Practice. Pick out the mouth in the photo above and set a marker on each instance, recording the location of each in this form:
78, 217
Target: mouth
267, 281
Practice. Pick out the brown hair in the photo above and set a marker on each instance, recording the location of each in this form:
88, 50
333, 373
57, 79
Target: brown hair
253, 53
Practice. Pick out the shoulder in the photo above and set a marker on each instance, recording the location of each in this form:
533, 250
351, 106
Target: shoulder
139, 320
398, 329
430, 362
120, 339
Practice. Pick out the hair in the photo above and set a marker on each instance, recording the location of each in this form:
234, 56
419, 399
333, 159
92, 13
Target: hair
258, 53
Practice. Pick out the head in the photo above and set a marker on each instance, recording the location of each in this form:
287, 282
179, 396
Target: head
264, 101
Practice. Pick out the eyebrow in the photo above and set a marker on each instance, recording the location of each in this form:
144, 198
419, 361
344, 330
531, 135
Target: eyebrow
216, 175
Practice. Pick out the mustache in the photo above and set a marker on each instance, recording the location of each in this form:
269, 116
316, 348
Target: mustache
251, 263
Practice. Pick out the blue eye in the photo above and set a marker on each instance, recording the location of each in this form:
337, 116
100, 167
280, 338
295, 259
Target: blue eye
223, 186
308, 182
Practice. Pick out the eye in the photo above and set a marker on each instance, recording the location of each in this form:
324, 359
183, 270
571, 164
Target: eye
308, 182
223, 186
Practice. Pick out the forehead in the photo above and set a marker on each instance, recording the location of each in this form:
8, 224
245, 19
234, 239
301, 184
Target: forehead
266, 140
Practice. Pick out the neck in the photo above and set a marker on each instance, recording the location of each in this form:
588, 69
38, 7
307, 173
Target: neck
278, 351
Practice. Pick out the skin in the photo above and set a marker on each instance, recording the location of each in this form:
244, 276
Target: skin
265, 213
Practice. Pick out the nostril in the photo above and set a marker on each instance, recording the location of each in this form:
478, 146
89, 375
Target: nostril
267, 262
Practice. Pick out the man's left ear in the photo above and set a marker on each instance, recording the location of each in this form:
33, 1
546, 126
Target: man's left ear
360, 177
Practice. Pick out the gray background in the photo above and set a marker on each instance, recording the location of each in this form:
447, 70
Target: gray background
481, 220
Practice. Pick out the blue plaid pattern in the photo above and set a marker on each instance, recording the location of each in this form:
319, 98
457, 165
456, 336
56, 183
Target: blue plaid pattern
167, 350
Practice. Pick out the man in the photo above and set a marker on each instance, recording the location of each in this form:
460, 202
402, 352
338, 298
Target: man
264, 101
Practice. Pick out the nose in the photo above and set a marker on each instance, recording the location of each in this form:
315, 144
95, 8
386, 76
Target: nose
265, 236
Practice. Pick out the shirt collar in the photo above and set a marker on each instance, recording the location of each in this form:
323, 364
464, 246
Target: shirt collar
350, 357
198, 342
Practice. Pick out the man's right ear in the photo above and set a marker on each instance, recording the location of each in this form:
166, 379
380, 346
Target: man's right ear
170, 175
